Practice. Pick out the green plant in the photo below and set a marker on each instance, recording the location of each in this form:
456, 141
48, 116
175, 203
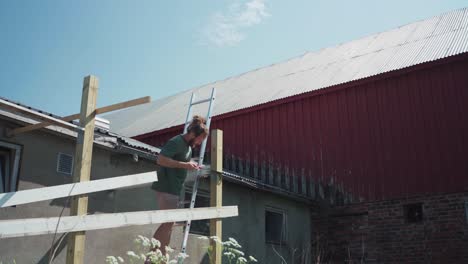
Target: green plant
230, 250
147, 251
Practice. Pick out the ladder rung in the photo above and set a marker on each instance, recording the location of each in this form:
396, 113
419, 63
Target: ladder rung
201, 101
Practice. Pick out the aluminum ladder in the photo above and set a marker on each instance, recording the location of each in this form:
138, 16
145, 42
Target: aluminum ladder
200, 159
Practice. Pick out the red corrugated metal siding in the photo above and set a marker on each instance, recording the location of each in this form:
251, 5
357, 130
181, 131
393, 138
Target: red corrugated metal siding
401, 135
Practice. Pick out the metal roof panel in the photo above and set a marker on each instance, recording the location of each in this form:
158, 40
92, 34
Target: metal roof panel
423, 41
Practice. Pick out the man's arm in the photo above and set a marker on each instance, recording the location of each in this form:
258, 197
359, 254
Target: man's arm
170, 163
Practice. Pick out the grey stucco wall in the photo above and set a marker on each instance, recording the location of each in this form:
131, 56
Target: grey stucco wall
249, 227
38, 169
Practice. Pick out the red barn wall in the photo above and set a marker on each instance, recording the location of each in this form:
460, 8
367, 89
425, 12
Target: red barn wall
393, 135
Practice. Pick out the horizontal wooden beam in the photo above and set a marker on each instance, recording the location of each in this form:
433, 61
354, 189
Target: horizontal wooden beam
39, 125
122, 105
21, 109
72, 189
102, 110
41, 226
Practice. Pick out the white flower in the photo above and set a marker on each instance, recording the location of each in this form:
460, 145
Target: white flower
228, 254
242, 260
121, 260
111, 260
174, 261
253, 259
132, 255
183, 255
144, 241
227, 243
236, 252
216, 239
155, 243
169, 249
234, 243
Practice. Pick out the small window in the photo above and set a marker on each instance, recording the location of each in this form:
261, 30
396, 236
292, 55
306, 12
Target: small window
65, 163
466, 211
199, 227
413, 212
10, 155
275, 226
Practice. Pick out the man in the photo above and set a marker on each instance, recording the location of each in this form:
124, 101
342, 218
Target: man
174, 162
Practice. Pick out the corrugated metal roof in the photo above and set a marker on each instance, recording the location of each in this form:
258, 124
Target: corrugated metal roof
423, 41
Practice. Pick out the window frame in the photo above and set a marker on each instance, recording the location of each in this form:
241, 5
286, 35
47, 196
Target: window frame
13, 177
466, 211
284, 236
200, 193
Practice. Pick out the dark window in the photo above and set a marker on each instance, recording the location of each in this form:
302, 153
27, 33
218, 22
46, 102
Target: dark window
199, 227
65, 163
466, 211
275, 226
9, 166
413, 212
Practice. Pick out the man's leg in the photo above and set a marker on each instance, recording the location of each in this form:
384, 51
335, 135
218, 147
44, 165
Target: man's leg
163, 233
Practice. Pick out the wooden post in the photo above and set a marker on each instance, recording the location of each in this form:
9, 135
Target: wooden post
216, 190
82, 166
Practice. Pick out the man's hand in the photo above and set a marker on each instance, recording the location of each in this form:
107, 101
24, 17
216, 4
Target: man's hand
191, 166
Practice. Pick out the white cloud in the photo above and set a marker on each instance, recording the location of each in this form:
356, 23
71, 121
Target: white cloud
226, 29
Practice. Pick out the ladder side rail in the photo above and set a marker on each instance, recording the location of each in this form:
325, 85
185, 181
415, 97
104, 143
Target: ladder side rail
189, 113
196, 183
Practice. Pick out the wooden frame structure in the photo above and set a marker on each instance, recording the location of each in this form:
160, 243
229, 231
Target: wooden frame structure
216, 191
72, 189
78, 222
41, 226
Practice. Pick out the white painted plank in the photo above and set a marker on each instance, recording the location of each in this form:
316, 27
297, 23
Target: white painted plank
40, 226
59, 191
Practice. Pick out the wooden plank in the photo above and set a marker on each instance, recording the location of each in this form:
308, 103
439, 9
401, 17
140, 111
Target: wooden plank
118, 106
23, 110
216, 190
82, 166
101, 110
65, 190
41, 226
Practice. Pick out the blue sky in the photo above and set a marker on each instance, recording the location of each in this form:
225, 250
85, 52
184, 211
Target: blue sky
159, 48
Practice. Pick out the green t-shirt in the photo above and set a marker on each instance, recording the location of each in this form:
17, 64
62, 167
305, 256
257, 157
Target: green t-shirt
170, 180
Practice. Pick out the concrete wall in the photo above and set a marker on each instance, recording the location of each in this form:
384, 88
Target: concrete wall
38, 169
249, 227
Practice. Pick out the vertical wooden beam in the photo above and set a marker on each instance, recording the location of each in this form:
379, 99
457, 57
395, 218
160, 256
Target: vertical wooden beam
216, 190
82, 166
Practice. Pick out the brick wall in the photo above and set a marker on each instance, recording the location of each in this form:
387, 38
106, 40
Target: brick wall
382, 232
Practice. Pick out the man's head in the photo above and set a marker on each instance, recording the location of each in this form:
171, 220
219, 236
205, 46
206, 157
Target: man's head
197, 131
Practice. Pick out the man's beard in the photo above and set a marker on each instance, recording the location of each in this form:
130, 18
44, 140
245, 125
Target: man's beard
191, 143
